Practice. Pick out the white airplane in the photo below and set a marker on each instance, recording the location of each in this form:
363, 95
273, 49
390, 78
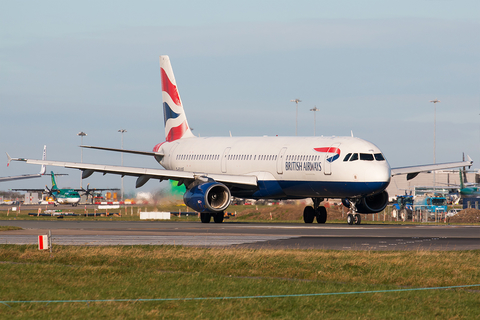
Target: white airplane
28, 176
213, 169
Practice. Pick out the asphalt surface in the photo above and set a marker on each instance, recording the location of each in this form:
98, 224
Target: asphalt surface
247, 235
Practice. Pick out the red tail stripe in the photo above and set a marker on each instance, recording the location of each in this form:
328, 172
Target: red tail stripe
170, 88
177, 132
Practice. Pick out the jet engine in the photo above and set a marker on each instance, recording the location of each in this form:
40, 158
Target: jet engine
370, 204
210, 197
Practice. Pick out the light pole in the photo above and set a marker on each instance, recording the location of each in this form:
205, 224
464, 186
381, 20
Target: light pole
434, 136
296, 116
122, 131
81, 134
315, 109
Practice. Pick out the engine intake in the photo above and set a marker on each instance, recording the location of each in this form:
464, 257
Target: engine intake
371, 204
211, 197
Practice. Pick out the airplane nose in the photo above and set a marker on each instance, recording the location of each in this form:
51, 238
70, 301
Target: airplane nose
384, 174
379, 178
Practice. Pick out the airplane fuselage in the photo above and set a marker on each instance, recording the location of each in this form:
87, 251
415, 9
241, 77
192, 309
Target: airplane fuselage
67, 197
286, 167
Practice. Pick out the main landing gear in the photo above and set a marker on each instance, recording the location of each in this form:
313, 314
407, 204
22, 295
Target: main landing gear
206, 217
316, 212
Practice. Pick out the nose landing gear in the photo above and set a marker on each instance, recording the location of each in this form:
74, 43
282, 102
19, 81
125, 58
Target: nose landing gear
353, 217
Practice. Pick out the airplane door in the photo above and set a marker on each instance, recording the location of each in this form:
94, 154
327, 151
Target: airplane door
224, 159
281, 160
330, 156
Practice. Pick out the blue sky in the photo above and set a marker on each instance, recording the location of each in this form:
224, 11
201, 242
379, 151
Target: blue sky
371, 67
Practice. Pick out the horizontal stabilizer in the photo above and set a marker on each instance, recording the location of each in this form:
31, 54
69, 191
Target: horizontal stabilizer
145, 153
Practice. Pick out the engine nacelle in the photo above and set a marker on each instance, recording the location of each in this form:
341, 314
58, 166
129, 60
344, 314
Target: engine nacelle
371, 204
211, 197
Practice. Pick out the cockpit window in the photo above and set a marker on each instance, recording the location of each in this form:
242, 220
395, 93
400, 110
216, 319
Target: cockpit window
379, 157
347, 157
354, 157
366, 156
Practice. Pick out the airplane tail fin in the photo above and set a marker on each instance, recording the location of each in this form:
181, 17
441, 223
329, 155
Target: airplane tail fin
43, 169
54, 184
176, 125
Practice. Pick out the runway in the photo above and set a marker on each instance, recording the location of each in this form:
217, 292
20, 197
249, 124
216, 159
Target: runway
247, 235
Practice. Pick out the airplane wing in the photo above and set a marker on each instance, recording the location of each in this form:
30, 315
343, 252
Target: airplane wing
24, 176
29, 190
144, 174
413, 171
27, 176
97, 189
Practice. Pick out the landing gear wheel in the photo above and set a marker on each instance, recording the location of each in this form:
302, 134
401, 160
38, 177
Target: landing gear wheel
358, 219
205, 217
308, 214
350, 219
321, 214
218, 218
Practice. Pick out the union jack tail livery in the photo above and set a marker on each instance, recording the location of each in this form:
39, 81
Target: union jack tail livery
176, 125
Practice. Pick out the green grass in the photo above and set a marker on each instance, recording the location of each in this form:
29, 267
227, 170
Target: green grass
153, 272
7, 228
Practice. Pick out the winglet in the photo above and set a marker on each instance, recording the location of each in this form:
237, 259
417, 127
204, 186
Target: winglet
13, 159
43, 169
9, 159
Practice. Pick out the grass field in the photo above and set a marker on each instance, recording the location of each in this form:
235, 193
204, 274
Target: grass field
159, 272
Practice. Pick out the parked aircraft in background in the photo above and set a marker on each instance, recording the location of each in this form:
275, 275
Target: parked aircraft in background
472, 190
94, 192
60, 196
65, 196
29, 176
213, 169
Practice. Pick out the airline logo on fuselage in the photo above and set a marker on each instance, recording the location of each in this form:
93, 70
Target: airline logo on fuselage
330, 150
313, 166
303, 166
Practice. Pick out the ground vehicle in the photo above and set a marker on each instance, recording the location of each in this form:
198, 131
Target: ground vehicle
403, 207
430, 205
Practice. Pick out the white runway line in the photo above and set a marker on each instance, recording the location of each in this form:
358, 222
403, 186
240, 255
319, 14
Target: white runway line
102, 240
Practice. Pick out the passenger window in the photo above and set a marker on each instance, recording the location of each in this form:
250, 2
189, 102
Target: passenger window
354, 157
347, 157
366, 156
